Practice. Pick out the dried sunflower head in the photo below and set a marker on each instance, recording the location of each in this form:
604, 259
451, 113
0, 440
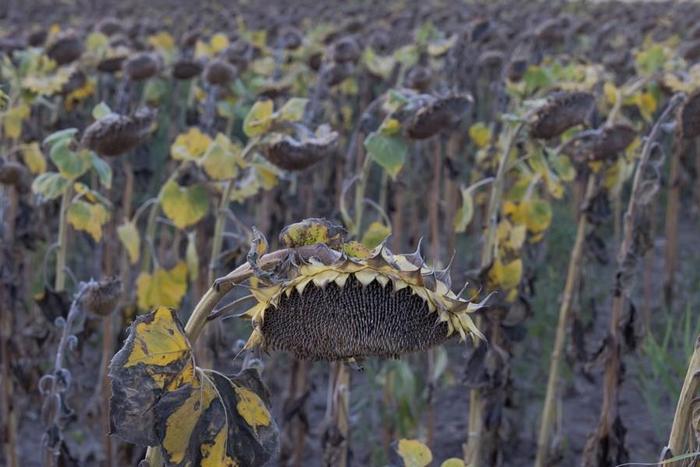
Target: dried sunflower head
290, 38
346, 49
142, 66
111, 64
612, 141
219, 72
562, 111
301, 150
348, 302
418, 77
186, 68
442, 113
689, 117
109, 26
101, 298
116, 134
14, 174
66, 48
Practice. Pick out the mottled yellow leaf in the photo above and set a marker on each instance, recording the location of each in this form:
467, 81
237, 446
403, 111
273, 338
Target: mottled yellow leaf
87, 217
158, 341
252, 408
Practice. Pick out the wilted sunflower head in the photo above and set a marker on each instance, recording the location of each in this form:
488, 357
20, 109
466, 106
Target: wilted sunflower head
66, 48
114, 134
219, 72
101, 298
438, 114
142, 66
300, 150
348, 302
562, 111
689, 117
186, 68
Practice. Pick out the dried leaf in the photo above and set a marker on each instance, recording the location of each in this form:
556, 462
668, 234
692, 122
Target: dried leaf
130, 238
196, 416
414, 453
87, 217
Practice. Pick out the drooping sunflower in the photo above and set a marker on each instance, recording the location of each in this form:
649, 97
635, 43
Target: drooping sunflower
338, 300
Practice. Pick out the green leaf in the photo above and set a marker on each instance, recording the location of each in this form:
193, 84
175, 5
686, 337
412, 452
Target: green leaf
185, 206
70, 164
101, 110
387, 151
60, 135
104, 171
50, 185
293, 110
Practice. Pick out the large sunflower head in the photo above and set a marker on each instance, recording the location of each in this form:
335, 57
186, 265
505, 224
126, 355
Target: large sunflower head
344, 301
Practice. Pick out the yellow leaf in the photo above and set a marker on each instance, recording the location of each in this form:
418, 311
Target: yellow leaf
129, 236
184, 206
158, 341
218, 42
259, 118
164, 287
647, 104
480, 134
87, 217
33, 158
252, 408
163, 41
414, 453
453, 462
464, 216
190, 145
610, 91
506, 276
222, 159
390, 126
12, 121
536, 214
